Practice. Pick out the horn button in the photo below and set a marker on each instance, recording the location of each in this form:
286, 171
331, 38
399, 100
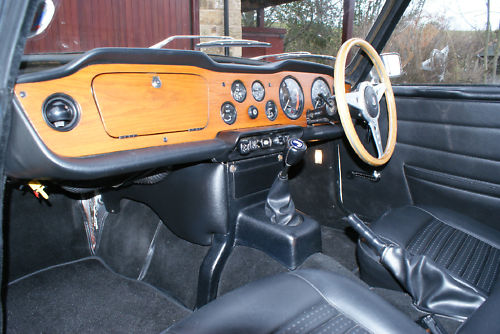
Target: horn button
371, 101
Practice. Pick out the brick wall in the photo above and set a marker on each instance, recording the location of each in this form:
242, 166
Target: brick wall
212, 22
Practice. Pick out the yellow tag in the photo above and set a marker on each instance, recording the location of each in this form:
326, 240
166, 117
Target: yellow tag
38, 189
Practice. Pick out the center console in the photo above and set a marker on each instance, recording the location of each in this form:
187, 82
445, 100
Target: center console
241, 198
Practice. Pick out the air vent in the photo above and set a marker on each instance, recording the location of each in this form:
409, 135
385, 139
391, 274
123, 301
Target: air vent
61, 112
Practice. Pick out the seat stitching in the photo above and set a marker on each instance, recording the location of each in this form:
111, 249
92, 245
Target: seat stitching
326, 323
431, 225
465, 247
434, 237
480, 268
443, 243
324, 297
478, 259
484, 278
457, 252
417, 243
493, 277
458, 227
452, 248
416, 238
352, 329
468, 258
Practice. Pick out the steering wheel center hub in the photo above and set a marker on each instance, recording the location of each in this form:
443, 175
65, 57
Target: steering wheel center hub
371, 101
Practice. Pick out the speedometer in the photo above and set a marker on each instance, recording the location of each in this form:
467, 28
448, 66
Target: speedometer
319, 92
291, 98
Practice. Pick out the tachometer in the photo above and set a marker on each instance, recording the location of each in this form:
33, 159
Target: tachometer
238, 91
258, 91
319, 92
291, 98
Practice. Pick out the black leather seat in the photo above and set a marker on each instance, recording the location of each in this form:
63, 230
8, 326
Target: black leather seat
463, 247
305, 301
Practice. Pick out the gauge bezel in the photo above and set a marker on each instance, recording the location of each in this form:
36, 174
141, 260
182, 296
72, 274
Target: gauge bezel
263, 87
222, 112
244, 88
301, 100
275, 106
327, 85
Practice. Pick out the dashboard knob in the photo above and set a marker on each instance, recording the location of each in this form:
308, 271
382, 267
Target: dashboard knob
60, 112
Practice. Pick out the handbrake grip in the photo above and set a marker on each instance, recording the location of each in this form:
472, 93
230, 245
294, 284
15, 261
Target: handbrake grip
365, 232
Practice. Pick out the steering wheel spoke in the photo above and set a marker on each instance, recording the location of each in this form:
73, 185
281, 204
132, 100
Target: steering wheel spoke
380, 90
355, 99
377, 139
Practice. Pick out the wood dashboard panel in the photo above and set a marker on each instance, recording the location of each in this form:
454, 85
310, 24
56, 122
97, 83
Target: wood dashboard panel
130, 105
95, 134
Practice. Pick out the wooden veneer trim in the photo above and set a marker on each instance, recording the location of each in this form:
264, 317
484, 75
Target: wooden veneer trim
89, 137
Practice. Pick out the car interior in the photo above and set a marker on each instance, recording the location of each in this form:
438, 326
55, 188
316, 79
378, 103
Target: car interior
170, 191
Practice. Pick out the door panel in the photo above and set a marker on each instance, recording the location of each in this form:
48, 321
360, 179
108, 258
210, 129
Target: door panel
447, 154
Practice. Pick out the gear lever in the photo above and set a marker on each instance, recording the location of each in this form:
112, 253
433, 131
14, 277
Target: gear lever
296, 151
279, 204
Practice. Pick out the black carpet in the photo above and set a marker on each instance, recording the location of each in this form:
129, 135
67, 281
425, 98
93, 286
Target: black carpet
341, 245
86, 297
246, 265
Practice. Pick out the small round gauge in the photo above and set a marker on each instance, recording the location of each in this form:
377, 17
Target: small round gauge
320, 88
228, 113
271, 110
238, 91
253, 112
258, 91
291, 98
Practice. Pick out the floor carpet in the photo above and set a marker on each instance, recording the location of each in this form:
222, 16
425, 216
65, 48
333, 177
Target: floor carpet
86, 297
341, 245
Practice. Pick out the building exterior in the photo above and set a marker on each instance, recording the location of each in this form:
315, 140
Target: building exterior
81, 25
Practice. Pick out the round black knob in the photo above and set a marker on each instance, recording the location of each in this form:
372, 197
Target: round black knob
61, 112
296, 151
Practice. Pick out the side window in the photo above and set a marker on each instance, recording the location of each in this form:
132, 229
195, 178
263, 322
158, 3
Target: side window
448, 42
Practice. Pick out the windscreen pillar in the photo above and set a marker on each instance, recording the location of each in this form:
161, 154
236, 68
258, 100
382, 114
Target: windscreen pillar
348, 20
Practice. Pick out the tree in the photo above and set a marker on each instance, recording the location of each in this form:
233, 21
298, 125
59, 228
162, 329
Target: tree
487, 44
316, 25
495, 57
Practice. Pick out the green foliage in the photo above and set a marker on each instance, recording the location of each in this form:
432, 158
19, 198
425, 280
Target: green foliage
316, 25
312, 25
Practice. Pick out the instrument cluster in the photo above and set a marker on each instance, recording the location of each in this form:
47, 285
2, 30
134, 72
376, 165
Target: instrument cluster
291, 99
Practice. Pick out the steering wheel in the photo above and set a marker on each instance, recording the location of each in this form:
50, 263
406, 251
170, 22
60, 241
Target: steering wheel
366, 100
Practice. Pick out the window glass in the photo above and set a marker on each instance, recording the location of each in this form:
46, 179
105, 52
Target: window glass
316, 25
448, 42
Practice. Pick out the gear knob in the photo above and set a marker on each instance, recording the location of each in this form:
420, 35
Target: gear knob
296, 149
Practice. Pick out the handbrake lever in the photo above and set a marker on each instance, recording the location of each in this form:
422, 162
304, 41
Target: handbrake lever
365, 232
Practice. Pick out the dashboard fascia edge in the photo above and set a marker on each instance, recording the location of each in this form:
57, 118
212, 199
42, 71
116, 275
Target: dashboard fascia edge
74, 167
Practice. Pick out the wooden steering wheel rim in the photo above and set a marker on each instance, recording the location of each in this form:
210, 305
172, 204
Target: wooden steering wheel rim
343, 108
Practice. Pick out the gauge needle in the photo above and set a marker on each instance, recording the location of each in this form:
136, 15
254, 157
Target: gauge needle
286, 105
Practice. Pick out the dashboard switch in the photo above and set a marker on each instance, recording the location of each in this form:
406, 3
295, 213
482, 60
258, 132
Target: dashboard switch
253, 112
278, 140
266, 142
244, 147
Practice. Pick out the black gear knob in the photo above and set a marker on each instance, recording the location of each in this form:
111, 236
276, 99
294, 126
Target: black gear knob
296, 149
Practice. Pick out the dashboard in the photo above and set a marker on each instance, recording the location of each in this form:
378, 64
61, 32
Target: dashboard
112, 102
